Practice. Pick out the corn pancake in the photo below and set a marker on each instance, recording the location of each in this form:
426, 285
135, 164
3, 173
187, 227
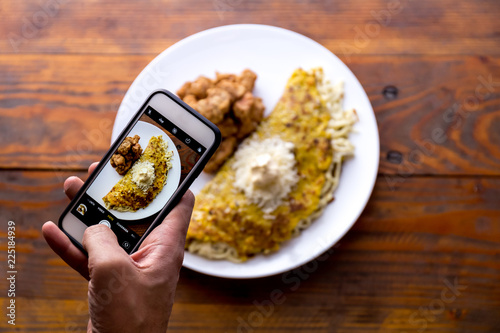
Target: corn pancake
126, 196
224, 217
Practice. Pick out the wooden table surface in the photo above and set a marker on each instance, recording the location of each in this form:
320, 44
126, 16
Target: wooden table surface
423, 257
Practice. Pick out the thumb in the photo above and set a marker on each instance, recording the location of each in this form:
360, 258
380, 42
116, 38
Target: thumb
178, 219
166, 242
105, 254
174, 228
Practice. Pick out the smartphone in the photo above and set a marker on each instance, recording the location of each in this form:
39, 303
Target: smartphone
145, 173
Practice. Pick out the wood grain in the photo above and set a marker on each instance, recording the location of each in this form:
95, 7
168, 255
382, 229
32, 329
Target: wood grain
423, 256
56, 112
353, 27
47, 315
409, 243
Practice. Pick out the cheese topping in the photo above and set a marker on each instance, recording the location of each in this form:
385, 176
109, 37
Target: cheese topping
143, 174
265, 171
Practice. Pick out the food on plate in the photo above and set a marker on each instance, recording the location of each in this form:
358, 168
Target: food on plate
127, 153
280, 178
197, 89
142, 183
229, 103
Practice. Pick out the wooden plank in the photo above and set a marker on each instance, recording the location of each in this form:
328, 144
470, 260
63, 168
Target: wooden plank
148, 27
444, 118
410, 244
432, 223
47, 315
30, 199
57, 111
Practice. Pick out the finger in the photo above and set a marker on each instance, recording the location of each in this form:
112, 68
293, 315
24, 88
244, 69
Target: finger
103, 249
72, 186
172, 231
178, 219
62, 246
92, 167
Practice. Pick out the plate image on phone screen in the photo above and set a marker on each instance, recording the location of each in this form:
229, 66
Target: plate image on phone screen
128, 203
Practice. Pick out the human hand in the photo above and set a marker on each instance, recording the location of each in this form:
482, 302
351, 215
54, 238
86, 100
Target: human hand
127, 293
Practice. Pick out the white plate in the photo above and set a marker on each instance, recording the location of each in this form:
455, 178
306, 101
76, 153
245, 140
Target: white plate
109, 177
273, 53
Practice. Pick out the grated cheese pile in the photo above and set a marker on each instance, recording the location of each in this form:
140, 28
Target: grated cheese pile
143, 174
265, 171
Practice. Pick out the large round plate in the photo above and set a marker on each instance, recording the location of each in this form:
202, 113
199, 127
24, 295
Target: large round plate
273, 53
109, 177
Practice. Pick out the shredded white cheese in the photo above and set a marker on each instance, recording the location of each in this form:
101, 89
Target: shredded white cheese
143, 174
265, 171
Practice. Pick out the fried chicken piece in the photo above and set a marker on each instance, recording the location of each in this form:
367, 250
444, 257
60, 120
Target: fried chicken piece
127, 153
248, 111
183, 91
191, 100
247, 79
221, 98
227, 127
235, 89
245, 128
226, 149
198, 88
249, 107
215, 106
208, 111
130, 148
120, 164
227, 76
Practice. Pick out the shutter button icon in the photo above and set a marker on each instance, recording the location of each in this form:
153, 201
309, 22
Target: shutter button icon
106, 223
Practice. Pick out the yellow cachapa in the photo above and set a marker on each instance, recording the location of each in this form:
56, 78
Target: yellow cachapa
225, 225
126, 195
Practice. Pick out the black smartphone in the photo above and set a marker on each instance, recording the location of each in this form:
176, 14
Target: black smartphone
145, 173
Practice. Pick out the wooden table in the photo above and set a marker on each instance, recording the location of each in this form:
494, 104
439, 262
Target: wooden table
424, 255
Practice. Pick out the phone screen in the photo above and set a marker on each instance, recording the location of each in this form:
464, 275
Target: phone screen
129, 202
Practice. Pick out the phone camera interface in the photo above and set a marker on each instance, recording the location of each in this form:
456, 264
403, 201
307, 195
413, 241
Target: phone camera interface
106, 223
139, 179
